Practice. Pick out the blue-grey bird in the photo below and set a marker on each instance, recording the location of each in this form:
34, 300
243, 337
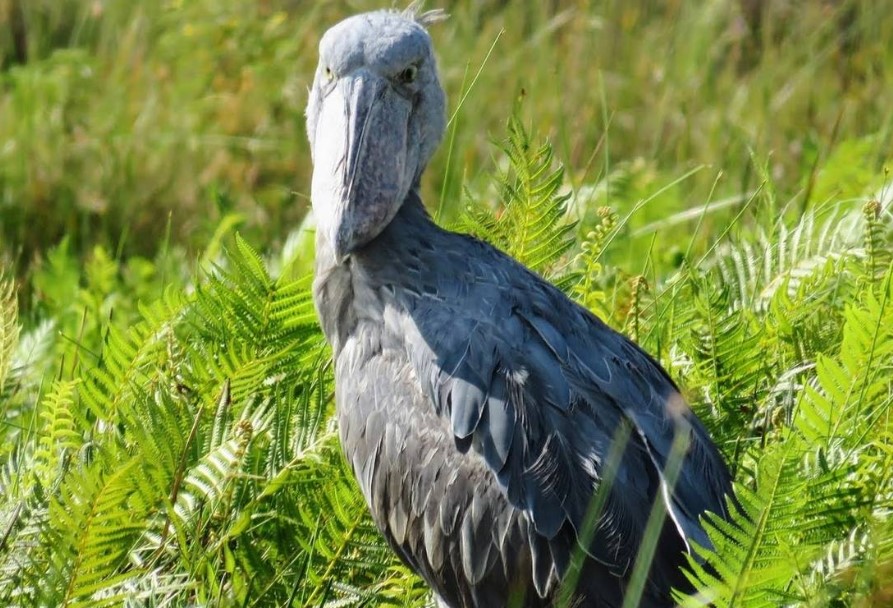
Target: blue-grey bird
476, 403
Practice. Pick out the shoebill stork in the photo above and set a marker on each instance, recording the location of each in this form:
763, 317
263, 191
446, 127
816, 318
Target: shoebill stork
477, 404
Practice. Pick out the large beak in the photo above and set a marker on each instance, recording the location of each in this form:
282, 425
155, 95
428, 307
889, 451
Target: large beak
359, 160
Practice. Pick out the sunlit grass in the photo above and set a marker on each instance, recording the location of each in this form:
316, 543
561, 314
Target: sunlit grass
125, 113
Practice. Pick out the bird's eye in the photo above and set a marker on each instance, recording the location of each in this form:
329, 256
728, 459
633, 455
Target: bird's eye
409, 74
329, 73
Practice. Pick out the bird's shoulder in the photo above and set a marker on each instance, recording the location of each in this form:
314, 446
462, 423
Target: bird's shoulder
509, 306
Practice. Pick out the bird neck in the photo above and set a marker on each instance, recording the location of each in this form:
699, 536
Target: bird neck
390, 260
412, 218
411, 223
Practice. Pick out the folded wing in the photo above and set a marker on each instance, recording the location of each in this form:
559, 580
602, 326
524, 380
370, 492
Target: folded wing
540, 389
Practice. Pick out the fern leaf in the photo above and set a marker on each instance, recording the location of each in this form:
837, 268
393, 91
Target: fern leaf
755, 270
129, 356
9, 328
531, 224
59, 437
852, 392
209, 481
876, 239
94, 525
764, 547
23, 522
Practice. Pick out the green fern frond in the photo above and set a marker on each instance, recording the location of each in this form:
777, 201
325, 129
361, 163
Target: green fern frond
158, 424
877, 239
210, 480
9, 328
852, 393
719, 352
809, 320
32, 357
815, 485
531, 223
93, 525
221, 399
244, 304
755, 313
756, 270
838, 558
129, 357
781, 528
59, 436
23, 521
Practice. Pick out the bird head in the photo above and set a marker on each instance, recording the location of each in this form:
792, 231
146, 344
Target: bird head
374, 118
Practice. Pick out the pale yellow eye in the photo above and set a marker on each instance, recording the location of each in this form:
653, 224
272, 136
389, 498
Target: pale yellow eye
330, 75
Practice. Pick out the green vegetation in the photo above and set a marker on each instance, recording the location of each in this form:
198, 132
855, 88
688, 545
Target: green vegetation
708, 177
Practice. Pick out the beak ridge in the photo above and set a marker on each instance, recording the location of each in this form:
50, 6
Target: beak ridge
359, 160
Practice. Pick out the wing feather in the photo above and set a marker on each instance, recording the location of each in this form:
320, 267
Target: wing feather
496, 439
538, 387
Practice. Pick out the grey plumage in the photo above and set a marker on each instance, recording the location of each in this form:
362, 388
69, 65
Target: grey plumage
476, 403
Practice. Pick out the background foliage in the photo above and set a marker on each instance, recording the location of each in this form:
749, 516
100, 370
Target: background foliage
707, 176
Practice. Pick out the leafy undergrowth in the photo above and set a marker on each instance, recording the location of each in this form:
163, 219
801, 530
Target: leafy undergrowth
167, 439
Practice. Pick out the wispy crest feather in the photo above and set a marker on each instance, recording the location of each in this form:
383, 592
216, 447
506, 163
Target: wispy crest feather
424, 18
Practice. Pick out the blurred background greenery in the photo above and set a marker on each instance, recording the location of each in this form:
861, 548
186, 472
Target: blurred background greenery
137, 126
